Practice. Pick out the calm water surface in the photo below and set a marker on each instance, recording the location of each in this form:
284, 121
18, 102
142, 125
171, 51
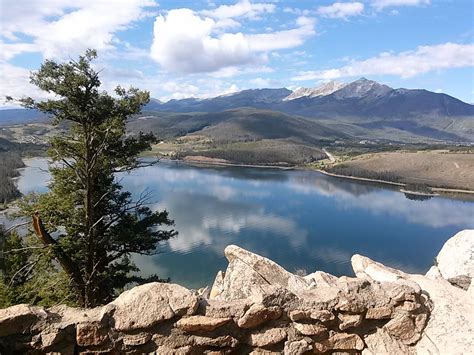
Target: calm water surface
300, 219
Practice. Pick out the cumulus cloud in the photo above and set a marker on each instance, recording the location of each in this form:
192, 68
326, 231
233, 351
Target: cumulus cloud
341, 10
185, 41
243, 8
405, 64
63, 28
15, 83
381, 4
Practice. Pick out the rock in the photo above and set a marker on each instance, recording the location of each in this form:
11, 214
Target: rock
19, 318
184, 350
402, 327
456, 257
136, 339
321, 279
462, 281
322, 298
222, 341
267, 337
201, 323
349, 320
452, 311
146, 305
297, 347
70, 316
225, 309
217, 286
343, 341
379, 313
251, 275
368, 269
470, 290
381, 342
259, 351
91, 334
49, 339
434, 273
258, 314
203, 292
452, 308
309, 329
319, 315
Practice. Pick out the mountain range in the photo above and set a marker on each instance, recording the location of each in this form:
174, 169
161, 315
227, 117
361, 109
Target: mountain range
359, 99
360, 109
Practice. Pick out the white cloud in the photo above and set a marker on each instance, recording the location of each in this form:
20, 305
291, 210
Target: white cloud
64, 28
184, 41
201, 89
341, 10
228, 72
265, 83
15, 83
405, 64
381, 4
242, 8
10, 50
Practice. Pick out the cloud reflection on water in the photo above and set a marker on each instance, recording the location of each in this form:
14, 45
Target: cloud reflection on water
436, 212
298, 218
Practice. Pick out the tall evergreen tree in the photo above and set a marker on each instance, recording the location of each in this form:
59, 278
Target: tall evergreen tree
96, 225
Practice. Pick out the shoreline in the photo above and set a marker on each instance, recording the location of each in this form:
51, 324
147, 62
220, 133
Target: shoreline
442, 190
417, 193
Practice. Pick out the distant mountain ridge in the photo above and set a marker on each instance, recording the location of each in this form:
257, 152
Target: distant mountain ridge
362, 98
360, 109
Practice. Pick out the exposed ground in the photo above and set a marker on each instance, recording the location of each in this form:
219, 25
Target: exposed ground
434, 168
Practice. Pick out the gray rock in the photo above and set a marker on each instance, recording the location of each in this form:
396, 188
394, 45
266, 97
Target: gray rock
380, 342
19, 318
258, 314
309, 329
297, 347
267, 337
146, 305
251, 275
349, 320
344, 341
379, 313
91, 334
201, 323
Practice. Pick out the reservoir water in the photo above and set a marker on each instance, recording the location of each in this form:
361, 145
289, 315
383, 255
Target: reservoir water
303, 220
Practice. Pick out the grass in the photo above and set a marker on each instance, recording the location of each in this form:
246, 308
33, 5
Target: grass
435, 168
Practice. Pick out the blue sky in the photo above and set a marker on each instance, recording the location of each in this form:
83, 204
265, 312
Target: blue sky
178, 49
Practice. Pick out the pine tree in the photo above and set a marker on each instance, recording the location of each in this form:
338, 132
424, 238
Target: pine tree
96, 225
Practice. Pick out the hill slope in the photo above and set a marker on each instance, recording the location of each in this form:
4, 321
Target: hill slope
236, 125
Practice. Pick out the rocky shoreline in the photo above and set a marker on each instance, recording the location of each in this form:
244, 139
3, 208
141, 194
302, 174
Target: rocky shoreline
258, 307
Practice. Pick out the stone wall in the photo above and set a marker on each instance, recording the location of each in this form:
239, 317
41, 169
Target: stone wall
254, 307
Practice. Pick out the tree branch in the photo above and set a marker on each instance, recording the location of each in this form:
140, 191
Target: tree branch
66, 263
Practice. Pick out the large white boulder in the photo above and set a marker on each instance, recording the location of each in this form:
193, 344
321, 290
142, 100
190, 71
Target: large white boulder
146, 305
455, 261
249, 275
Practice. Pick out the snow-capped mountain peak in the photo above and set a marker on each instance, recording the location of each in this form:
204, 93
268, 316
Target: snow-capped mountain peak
322, 90
361, 88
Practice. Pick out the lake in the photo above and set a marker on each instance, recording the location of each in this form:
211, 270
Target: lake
303, 220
